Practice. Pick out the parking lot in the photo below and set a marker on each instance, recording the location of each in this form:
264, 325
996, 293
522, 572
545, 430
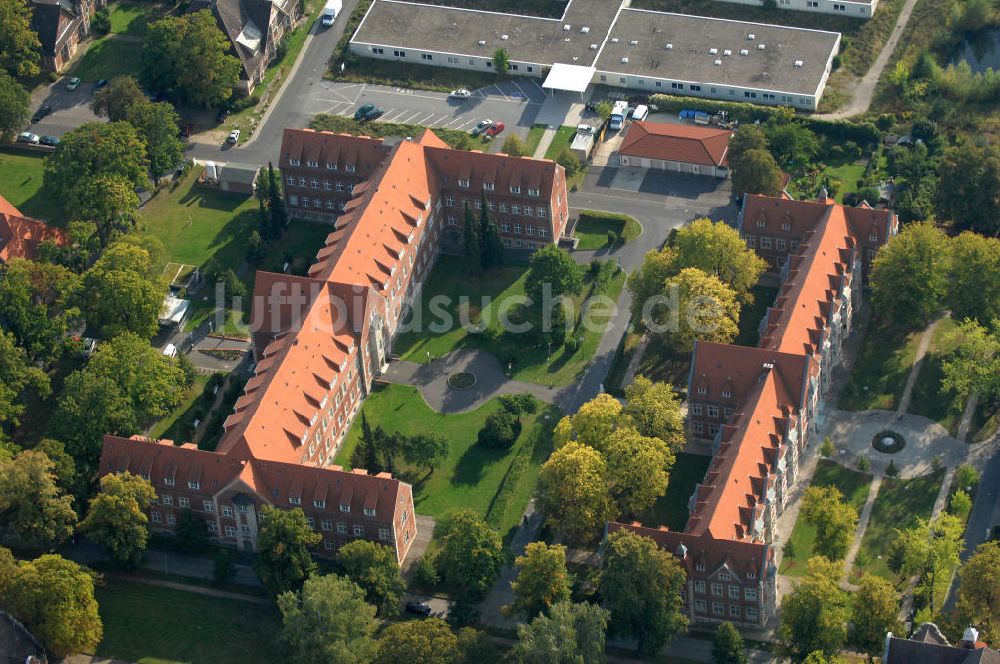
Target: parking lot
69, 109
515, 103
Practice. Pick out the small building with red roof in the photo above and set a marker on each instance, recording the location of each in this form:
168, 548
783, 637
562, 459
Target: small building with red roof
680, 148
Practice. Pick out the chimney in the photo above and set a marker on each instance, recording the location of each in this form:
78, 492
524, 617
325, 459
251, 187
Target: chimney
969, 638
823, 195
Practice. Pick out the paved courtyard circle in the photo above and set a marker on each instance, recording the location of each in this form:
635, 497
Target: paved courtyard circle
461, 381
888, 442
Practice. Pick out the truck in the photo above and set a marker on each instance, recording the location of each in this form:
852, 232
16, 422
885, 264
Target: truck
330, 12
699, 117
618, 115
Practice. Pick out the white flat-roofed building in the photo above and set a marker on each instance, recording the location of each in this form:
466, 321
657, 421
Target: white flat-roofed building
655, 52
862, 9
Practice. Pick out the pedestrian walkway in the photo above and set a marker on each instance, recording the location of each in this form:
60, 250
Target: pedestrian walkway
188, 588
918, 362
866, 514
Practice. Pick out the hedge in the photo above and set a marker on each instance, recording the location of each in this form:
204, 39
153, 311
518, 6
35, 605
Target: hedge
838, 130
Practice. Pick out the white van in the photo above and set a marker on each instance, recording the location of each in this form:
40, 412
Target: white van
640, 113
330, 12
170, 350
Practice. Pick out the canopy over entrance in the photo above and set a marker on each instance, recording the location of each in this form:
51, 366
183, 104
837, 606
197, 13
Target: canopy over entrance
570, 78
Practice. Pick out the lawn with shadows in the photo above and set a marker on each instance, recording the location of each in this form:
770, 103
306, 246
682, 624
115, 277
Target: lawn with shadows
881, 368
593, 228
109, 57
472, 474
664, 364
153, 625
671, 509
470, 318
753, 313
178, 425
898, 505
927, 399
854, 487
21, 177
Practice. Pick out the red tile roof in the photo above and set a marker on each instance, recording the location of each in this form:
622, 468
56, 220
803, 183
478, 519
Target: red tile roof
689, 144
20, 235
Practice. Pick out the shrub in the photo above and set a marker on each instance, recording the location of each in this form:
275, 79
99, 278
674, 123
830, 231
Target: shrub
966, 478
224, 565
885, 121
961, 505
826, 449
612, 238
864, 464
500, 430
243, 103
595, 266
569, 161
101, 22
891, 470
425, 573
214, 382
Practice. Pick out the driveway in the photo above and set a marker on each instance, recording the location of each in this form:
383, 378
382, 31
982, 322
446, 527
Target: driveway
69, 109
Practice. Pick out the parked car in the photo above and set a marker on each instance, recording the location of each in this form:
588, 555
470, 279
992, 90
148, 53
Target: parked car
495, 129
73, 84
42, 111
460, 94
27, 137
234, 137
421, 608
89, 346
481, 127
223, 114
100, 84
51, 141
363, 111
584, 129
374, 114
170, 350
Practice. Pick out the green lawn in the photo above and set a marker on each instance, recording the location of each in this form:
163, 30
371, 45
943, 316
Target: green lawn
898, 505
664, 364
751, 314
152, 625
177, 426
470, 477
852, 484
593, 228
881, 369
534, 138
473, 298
297, 247
848, 173
21, 176
623, 357
671, 510
927, 399
107, 58
131, 19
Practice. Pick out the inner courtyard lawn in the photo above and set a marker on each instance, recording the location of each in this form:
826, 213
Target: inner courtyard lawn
898, 505
671, 510
152, 625
852, 484
881, 368
473, 302
593, 228
21, 176
472, 474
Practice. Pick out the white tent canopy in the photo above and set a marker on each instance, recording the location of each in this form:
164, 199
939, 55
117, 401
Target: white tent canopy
570, 78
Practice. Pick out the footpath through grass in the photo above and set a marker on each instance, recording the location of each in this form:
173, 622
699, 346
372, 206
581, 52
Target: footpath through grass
153, 625
472, 475
898, 506
852, 484
473, 303
881, 368
671, 509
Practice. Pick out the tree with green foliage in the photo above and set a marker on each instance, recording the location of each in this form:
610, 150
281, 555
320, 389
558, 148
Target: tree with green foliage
374, 568
36, 306
475, 647
756, 173
968, 188
366, 453
81, 247
95, 149
63, 465
874, 611
646, 283
157, 123
19, 44
568, 634
499, 431
747, 137
654, 409
979, 590
604, 109
834, 519
54, 598
542, 580
515, 147
118, 294
518, 404
706, 309
792, 144
727, 646
552, 270
814, 615
116, 99
975, 260
591, 424
971, 365
427, 451
34, 510
568, 160
501, 61
223, 565
491, 251
328, 621
470, 236
928, 550
428, 641
284, 562
18, 379
717, 249
572, 492
819, 657
14, 102
191, 532
638, 469
960, 504
471, 553
117, 517
276, 204
188, 59
966, 477
110, 202
641, 587
909, 277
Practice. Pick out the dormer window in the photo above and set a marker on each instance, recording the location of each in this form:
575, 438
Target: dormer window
515, 190
350, 168
294, 162
312, 164
463, 183
700, 567
294, 500
169, 481
786, 226
873, 237
727, 394
488, 186
194, 485
319, 504
751, 574
369, 511
331, 167
761, 222
532, 192
702, 389
345, 508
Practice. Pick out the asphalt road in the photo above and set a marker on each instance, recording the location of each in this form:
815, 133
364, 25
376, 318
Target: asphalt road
69, 109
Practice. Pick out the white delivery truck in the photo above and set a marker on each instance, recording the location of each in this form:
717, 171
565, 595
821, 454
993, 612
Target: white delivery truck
617, 120
640, 113
330, 12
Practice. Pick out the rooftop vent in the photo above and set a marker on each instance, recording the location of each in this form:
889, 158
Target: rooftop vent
798, 63
482, 42
669, 47
743, 51
593, 47
634, 42
585, 30
727, 53
567, 39
713, 51
751, 36
504, 37
614, 40
624, 61
718, 63
761, 47
575, 58
567, 27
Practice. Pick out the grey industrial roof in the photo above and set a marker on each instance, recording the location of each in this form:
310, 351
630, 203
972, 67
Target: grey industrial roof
459, 31
689, 57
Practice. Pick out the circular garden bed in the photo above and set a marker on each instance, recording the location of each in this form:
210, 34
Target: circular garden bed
461, 381
888, 442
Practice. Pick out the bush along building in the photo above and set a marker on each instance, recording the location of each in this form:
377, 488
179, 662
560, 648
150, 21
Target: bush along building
320, 341
759, 407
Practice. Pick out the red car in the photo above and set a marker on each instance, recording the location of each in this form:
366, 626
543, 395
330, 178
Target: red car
495, 129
